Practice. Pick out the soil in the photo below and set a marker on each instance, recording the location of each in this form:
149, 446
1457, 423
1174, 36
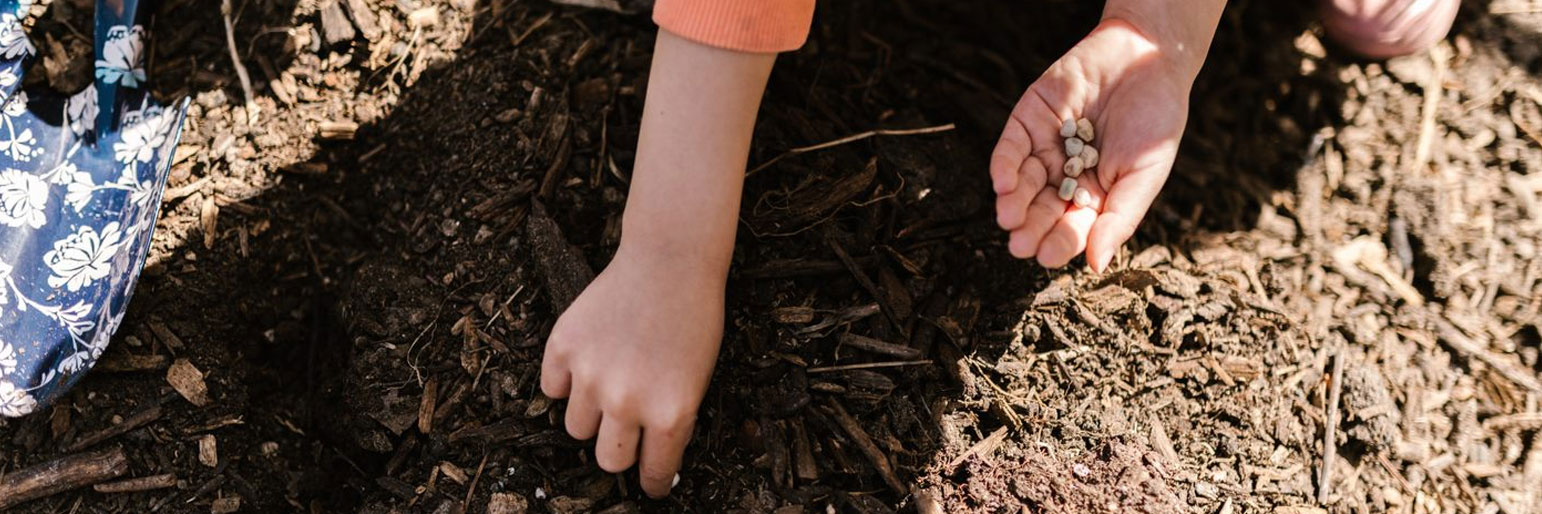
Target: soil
1342, 269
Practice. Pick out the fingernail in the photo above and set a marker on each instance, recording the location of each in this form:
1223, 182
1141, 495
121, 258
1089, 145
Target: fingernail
675, 482
1104, 261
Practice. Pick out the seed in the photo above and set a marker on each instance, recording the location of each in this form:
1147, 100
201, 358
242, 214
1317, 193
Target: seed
1067, 189
1090, 156
1083, 129
1073, 147
1074, 166
1083, 198
1068, 128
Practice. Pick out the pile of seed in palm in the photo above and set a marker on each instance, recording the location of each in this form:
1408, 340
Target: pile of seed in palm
1080, 157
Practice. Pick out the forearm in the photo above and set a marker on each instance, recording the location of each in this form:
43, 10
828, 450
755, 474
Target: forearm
1181, 29
698, 118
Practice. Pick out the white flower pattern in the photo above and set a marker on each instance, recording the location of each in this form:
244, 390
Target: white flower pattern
7, 359
142, 137
121, 60
81, 110
23, 198
83, 257
15, 402
13, 38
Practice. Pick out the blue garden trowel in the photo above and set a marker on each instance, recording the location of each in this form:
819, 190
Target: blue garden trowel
80, 186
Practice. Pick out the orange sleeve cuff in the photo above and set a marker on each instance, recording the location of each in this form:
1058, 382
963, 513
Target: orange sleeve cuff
761, 26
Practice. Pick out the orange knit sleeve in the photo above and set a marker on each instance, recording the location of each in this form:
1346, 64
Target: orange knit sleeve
763, 26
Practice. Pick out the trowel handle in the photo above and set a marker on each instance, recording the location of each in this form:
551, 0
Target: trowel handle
116, 19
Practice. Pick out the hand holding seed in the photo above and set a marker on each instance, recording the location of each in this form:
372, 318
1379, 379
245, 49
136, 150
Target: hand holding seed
1088, 148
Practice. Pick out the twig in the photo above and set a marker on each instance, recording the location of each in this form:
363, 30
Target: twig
868, 365
60, 475
139, 419
1330, 447
138, 485
235, 60
478, 478
865, 443
982, 448
866, 282
1461, 343
850, 139
1522, 421
1432, 93
1514, 8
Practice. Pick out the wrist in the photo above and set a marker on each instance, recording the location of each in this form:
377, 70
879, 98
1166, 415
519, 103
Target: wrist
676, 250
1181, 36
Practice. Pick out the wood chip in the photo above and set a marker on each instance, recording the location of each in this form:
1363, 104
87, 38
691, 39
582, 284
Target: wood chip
338, 130
336, 28
365, 19
208, 451
983, 449
188, 382
426, 405
209, 215
226, 505
423, 18
877, 346
507, 503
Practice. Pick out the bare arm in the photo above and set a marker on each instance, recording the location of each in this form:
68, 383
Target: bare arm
695, 139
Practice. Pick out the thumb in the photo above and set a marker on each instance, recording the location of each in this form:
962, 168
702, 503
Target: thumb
1124, 207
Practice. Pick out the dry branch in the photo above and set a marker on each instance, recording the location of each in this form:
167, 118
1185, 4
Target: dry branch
62, 474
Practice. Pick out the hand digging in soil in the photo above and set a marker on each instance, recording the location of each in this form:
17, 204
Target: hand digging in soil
634, 352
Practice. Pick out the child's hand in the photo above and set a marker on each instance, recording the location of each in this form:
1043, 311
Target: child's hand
1137, 99
633, 356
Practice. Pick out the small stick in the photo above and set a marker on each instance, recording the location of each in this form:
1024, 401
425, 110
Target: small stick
137, 485
1432, 92
1330, 449
62, 474
1514, 8
865, 443
1522, 421
139, 419
851, 139
866, 282
982, 448
868, 365
478, 478
1459, 341
235, 59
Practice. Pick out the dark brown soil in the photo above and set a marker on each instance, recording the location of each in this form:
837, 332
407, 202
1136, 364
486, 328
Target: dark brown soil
369, 313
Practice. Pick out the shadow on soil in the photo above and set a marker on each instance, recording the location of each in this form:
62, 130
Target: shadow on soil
407, 267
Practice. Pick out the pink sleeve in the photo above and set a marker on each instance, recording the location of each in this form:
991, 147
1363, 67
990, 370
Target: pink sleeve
761, 26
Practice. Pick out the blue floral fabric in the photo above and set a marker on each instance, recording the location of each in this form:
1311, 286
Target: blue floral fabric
81, 178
